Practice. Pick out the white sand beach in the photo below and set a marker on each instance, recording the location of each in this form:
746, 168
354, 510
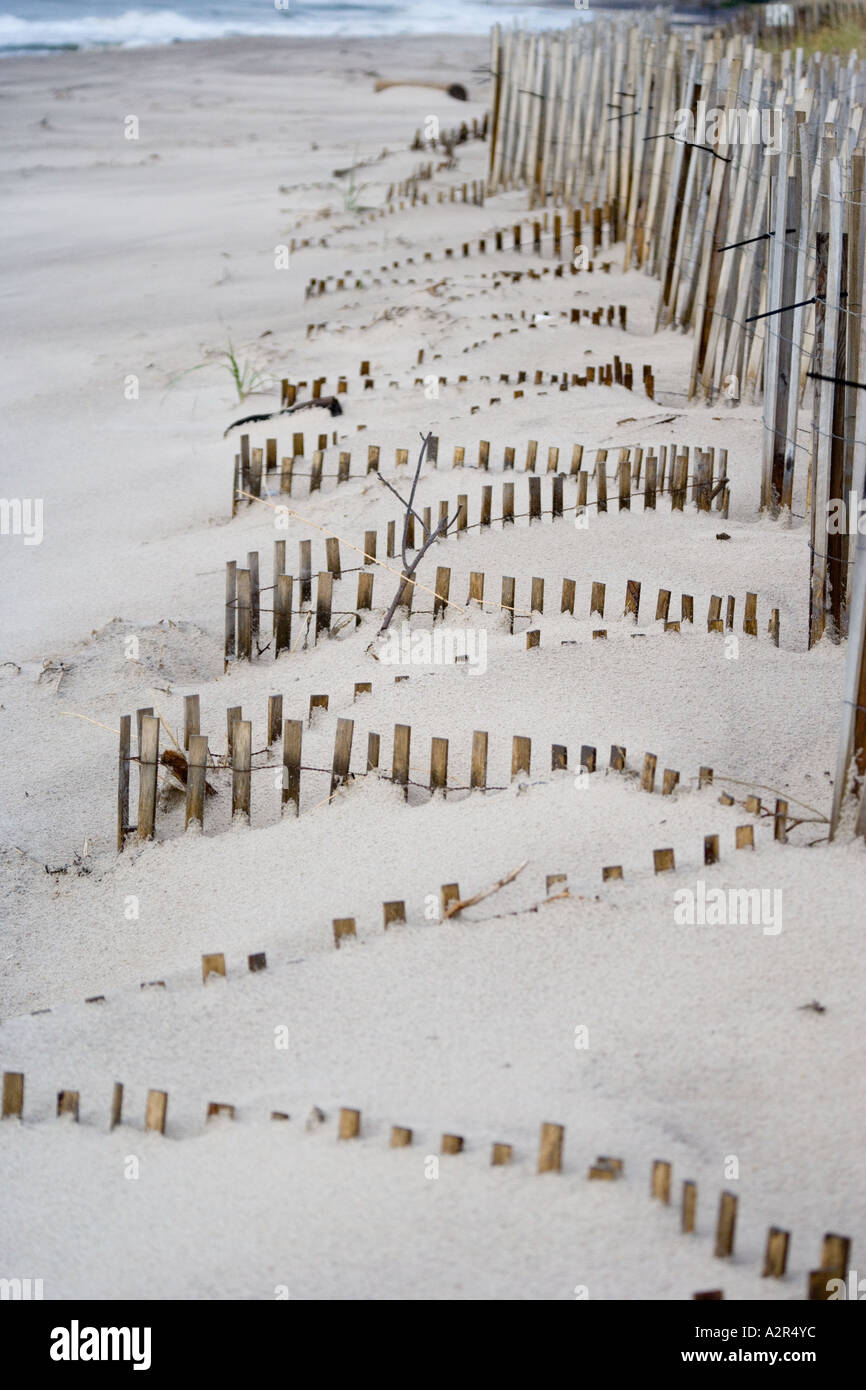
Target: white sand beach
127, 264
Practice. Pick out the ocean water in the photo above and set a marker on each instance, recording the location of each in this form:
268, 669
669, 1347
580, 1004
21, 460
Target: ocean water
34, 26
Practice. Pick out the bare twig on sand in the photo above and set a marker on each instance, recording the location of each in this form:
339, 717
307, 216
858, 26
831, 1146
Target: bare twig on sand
454, 908
430, 536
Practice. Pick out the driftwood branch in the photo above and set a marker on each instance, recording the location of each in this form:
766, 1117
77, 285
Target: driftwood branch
403, 503
454, 908
430, 537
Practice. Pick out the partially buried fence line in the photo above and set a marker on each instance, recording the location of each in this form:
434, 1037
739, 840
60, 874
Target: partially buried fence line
686, 473
823, 1282
572, 238
189, 771
296, 622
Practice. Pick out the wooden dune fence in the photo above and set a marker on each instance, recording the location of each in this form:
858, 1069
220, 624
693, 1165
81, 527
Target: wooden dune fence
686, 473
290, 597
734, 176
192, 769
835, 1248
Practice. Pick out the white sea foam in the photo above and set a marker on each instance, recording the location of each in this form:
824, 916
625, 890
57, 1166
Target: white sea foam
73, 23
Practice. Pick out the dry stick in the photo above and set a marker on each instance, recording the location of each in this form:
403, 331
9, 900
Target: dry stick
357, 549
458, 906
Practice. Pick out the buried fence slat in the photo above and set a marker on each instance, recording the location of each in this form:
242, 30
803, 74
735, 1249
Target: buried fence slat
350, 1123
154, 1111
123, 756
617, 757
648, 775
393, 912
364, 600
521, 755
253, 566
507, 600
196, 784
632, 598
649, 497
148, 767
13, 1095
568, 594
245, 626
448, 893
689, 1206
275, 718
726, 1225
344, 927
241, 764
534, 498
438, 764
750, 616
478, 772
661, 1181
305, 571
116, 1105
291, 788
342, 753
373, 752
711, 849
283, 614
550, 1145
835, 1254
233, 714
324, 592
400, 758
316, 471
507, 503
601, 480
443, 588
279, 569
332, 556
556, 495
231, 606
776, 1254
